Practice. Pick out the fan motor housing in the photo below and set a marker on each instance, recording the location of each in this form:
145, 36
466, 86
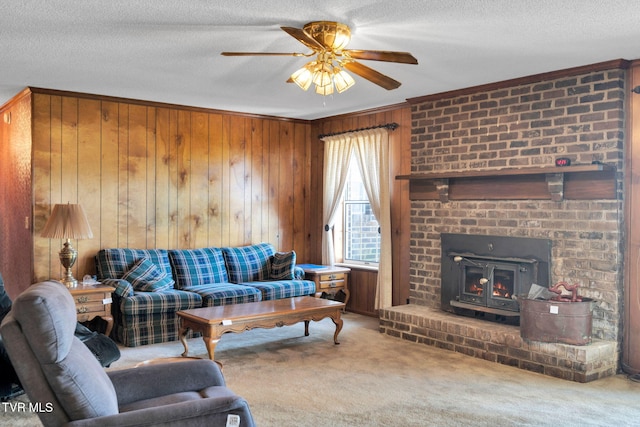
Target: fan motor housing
332, 35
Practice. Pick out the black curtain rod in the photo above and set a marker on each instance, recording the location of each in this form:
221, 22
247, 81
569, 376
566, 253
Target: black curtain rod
390, 126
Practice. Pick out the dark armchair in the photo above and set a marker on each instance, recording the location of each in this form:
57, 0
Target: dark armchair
59, 373
9, 384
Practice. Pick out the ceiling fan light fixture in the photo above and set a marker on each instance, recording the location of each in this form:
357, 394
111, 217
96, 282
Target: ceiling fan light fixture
303, 77
342, 80
324, 90
322, 77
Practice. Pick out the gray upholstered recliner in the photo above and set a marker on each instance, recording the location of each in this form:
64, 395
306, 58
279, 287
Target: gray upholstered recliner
62, 376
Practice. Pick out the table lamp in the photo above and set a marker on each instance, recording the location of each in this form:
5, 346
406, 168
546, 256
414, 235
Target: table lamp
67, 222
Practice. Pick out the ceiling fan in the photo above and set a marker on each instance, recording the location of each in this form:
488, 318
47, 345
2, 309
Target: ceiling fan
327, 41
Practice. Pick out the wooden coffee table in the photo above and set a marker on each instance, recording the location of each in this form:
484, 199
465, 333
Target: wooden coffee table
213, 322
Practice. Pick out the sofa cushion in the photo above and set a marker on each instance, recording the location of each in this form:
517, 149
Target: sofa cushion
277, 289
142, 303
114, 263
248, 263
226, 294
283, 265
144, 276
195, 267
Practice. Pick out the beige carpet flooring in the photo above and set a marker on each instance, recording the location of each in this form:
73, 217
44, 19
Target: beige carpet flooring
376, 380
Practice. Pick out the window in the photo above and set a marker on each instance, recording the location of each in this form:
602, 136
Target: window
360, 229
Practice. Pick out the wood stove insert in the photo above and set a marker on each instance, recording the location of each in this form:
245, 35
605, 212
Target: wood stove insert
485, 274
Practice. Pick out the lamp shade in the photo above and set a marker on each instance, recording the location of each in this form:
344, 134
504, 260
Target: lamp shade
67, 222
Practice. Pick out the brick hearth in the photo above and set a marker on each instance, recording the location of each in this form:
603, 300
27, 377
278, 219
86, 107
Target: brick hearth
499, 343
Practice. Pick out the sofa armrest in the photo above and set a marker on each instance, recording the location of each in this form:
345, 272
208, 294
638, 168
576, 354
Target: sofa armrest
147, 382
298, 273
122, 287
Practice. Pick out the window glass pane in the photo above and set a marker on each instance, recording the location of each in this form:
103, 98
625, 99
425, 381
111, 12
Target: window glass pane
361, 236
362, 240
354, 187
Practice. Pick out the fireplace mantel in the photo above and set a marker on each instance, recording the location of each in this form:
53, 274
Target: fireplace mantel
581, 182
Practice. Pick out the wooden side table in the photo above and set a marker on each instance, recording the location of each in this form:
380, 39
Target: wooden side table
93, 301
329, 280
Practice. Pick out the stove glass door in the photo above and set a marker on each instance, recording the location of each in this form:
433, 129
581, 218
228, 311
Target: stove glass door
472, 286
504, 284
489, 284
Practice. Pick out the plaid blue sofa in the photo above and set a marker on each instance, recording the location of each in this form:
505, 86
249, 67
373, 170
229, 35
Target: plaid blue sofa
142, 317
151, 285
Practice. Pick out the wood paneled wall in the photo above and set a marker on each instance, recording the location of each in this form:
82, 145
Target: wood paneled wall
16, 247
154, 175
631, 338
159, 176
363, 282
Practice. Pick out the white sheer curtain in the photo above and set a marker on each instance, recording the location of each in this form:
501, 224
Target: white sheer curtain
372, 152
337, 153
371, 148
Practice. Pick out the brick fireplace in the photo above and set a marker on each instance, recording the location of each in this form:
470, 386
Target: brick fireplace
469, 149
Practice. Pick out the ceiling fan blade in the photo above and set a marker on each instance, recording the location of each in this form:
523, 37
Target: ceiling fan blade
261, 54
304, 38
371, 75
382, 55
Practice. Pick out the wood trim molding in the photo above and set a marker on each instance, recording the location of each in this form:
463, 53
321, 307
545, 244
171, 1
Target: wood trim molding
568, 72
355, 114
16, 98
146, 103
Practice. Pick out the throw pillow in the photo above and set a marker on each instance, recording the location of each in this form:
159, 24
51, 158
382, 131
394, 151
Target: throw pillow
196, 267
248, 263
122, 287
113, 263
144, 276
283, 265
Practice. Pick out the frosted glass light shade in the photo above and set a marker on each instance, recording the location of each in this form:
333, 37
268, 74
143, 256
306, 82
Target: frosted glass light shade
342, 80
325, 90
302, 78
322, 77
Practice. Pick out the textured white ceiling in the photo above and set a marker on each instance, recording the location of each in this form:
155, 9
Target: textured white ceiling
169, 51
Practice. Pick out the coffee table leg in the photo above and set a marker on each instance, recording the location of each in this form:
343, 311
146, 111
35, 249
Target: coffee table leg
306, 328
338, 322
210, 342
183, 339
